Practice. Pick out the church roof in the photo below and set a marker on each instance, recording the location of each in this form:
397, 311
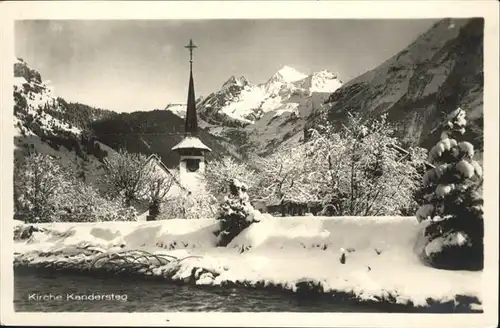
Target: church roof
157, 160
191, 143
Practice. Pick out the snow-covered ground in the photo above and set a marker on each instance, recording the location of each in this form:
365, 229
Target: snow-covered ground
380, 263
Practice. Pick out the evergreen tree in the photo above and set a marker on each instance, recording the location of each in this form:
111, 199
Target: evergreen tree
235, 214
452, 206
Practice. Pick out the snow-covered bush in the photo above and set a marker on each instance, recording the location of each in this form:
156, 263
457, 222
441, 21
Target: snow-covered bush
452, 209
220, 173
235, 213
186, 205
25, 231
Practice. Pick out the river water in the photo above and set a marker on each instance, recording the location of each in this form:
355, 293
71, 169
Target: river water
47, 291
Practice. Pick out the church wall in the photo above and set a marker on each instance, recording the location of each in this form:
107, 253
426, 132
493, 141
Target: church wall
192, 180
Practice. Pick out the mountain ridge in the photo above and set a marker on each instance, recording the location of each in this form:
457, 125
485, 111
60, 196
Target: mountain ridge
239, 102
438, 72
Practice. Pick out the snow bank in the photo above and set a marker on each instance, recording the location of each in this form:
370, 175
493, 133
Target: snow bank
380, 261
125, 235
372, 259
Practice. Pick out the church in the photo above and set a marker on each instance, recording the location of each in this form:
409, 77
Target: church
191, 149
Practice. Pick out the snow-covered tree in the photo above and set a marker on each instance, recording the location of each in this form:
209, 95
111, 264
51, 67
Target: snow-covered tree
281, 177
158, 188
358, 171
235, 213
47, 192
453, 204
39, 185
84, 203
158, 184
128, 176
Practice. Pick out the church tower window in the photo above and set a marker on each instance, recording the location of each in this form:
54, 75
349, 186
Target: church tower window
192, 164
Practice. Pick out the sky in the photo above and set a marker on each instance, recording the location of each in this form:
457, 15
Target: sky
129, 65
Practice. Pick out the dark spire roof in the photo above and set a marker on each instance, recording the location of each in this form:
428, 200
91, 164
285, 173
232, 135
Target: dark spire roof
191, 127
191, 119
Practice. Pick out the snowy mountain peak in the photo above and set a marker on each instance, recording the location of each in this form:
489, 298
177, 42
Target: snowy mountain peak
282, 79
323, 81
233, 80
240, 102
288, 74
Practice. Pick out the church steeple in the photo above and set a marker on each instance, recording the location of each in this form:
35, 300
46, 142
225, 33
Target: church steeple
191, 126
191, 149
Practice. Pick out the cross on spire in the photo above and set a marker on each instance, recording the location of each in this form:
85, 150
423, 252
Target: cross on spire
191, 126
191, 46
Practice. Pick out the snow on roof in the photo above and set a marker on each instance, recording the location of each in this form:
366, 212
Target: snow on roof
191, 143
160, 163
